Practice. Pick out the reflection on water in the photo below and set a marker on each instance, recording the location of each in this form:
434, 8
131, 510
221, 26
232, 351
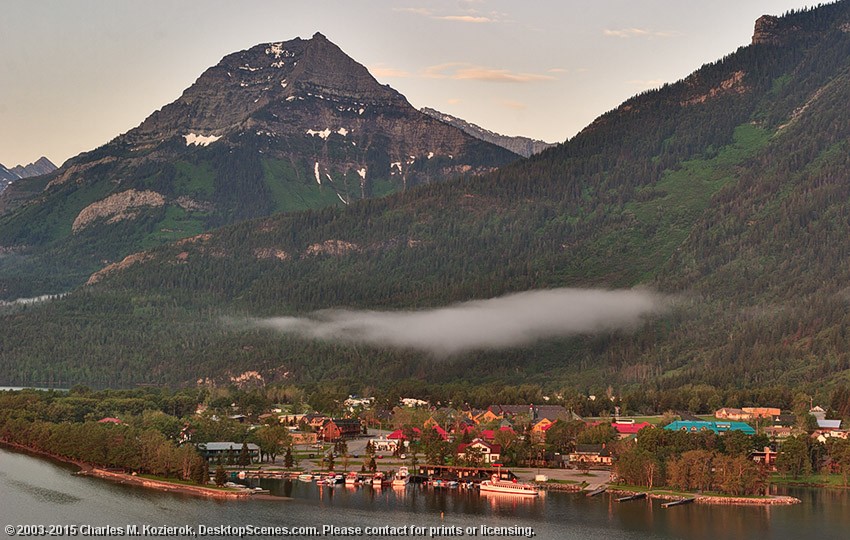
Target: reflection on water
41, 494
38, 491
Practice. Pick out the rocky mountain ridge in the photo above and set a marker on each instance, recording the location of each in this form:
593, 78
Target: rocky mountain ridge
40, 166
523, 146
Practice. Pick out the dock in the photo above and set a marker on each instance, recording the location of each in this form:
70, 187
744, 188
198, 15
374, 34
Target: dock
679, 502
634, 497
464, 474
597, 491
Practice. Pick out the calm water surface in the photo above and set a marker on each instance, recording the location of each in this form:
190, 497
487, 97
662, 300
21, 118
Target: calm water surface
40, 492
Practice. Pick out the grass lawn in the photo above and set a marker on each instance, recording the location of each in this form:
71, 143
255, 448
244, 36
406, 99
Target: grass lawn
566, 482
819, 479
182, 482
674, 493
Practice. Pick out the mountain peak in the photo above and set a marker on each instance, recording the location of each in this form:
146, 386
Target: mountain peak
243, 83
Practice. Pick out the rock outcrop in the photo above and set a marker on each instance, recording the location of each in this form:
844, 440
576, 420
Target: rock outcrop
117, 207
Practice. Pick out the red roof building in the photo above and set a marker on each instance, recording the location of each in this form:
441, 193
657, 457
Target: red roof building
628, 430
490, 434
398, 434
441, 432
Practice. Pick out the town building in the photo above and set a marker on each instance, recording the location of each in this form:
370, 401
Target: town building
762, 412
383, 444
490, 453
766, 457
335, 429
693, 426
729, 413
212, 451
629, 429
591, 455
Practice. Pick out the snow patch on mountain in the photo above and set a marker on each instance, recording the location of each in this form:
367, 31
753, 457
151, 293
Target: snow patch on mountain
324, 134
200, 140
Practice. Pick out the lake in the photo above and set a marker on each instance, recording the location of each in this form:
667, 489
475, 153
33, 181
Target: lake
36, 491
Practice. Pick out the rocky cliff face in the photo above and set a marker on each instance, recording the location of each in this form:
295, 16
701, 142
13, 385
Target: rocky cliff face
767, 31
770, 30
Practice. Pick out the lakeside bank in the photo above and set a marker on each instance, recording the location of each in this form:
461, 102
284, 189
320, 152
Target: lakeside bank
88, 469
730, 500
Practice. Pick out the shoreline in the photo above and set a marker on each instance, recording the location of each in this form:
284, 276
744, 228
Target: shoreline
164, 486
731, 500
87, 469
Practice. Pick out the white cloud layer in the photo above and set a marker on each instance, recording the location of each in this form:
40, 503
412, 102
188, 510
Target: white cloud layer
497, 323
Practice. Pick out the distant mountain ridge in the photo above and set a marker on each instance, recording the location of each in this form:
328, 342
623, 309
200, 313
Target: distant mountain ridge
37, 168
41, 166
523, 146
284, 126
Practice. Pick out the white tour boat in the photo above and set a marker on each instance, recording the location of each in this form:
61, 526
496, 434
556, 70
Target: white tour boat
509, 487
402, 477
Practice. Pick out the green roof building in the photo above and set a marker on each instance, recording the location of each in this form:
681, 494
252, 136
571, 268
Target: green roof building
717, 427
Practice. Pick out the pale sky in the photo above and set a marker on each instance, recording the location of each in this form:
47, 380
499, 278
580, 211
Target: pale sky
76, 73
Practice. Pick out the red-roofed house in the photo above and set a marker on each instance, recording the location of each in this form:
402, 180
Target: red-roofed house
628, 430
398, 434
490, 434
441, 432
538, 430
463, 429
490, 453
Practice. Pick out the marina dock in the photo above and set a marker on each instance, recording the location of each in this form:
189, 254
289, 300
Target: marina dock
635, 497
677, 503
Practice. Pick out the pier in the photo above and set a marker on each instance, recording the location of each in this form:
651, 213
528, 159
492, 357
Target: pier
677, 503
635, 497
597, 491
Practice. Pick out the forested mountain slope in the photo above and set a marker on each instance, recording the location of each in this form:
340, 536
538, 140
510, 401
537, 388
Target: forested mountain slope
726, 190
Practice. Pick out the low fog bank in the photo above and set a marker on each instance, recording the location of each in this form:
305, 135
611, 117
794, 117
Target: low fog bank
497, 323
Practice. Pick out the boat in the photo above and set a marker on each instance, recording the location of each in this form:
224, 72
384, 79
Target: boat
352, 479
306, 477
402, 477
509, 487
440, 483
334, 479
380, 480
